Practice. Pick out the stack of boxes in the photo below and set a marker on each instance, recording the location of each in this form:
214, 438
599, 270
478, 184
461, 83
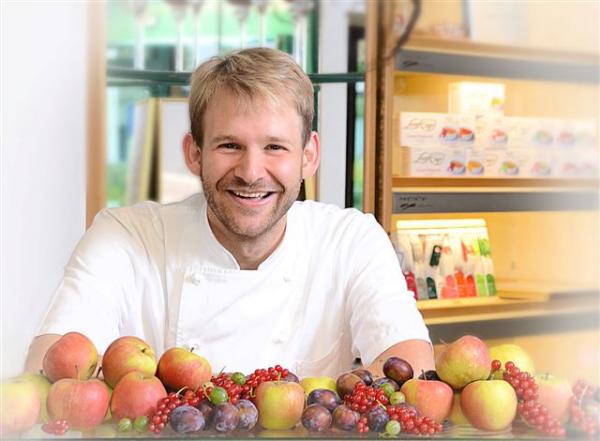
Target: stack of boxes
476, 140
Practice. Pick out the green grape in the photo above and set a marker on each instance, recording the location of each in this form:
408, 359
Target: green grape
393, 428
124, 425
387, 389
397, 398
140, 423
238, 378
218, 396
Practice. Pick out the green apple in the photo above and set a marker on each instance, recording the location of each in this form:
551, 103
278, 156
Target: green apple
432, 398
554, 394
42, 385
511, 352
19, 406
127, 354
463, 361
311, 383
72, 356
457, 417
280, 404
489, 404
180, 367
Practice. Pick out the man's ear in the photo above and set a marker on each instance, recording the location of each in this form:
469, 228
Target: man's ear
192, 154
311, 156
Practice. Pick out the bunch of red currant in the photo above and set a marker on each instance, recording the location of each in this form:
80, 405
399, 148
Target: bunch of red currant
583, 421
364, 398
260, 376
166, 405
56, 427
413, 423
231, 384
529, 409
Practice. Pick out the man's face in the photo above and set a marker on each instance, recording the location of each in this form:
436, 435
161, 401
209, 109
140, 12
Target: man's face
251, 163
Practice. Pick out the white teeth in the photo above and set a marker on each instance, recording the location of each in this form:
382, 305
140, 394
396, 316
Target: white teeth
250, 195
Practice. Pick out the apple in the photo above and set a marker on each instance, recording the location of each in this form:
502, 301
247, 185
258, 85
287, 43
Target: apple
463, 361
72, 356
430, 397
127, 354
83, 403
42, 385
511, 352
489, 404
457, 417
311, 383
554, 394
180, 367
135, 395
19, 406
280, 404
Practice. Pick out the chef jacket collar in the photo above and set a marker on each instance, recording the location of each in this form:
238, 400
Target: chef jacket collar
224, 259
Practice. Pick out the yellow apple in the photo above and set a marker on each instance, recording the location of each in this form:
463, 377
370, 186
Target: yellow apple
489, 404
511, 352
311, 383
19, 406
280, 404
42, 385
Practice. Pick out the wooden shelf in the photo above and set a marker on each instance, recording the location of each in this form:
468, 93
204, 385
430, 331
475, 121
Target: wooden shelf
487, 184
449, 311
463, 57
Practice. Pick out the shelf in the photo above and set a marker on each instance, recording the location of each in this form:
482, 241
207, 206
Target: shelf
450, 311
543, 184
463, 57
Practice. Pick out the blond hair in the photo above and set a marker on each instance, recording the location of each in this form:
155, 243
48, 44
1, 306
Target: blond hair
251, 73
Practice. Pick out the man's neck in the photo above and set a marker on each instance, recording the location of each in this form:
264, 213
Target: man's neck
248, 252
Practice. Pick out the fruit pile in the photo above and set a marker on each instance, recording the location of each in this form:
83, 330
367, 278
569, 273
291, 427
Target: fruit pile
490, 389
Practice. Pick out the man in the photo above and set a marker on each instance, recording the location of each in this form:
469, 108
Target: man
243, 273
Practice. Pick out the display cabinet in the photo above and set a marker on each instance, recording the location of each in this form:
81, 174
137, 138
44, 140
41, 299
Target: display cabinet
543, 229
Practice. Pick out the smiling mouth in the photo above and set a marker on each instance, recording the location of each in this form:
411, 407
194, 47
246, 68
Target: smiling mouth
254, 195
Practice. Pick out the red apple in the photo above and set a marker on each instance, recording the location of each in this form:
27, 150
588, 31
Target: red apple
72, 356
489, 404
280, 404
431, 398
127, 354
83, 403
19, 406
463, 361
179, 367
136, 394
554, 394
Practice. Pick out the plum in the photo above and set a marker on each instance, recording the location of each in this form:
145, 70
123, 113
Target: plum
316, 418
377, 418
346, 382
248, 414
226, 417
364, 375
207, 410
325, 397
398, 370
291, 377
345, 418
187, 419
379, 382
429, 375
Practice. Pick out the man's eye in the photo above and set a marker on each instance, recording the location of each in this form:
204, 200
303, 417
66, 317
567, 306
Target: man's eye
275, 147
229, 145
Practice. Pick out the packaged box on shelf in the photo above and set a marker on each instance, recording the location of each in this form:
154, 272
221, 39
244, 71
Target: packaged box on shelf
477, 99
443, 161
424, 129
507, 163
491, 132
475, 159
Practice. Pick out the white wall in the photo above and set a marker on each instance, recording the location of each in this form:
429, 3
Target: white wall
43, 130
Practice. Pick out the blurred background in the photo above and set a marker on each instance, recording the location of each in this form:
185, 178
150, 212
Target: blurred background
93, 108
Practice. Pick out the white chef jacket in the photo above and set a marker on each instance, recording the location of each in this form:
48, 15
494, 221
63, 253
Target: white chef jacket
331, 291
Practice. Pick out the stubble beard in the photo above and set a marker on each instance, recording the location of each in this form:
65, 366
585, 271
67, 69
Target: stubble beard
227, 218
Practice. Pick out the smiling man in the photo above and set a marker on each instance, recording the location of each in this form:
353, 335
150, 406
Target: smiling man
242, 272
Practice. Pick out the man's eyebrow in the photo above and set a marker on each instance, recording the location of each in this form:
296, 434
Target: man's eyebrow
278, 139
222, 138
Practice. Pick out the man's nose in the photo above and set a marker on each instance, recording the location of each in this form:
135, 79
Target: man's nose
251, 166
